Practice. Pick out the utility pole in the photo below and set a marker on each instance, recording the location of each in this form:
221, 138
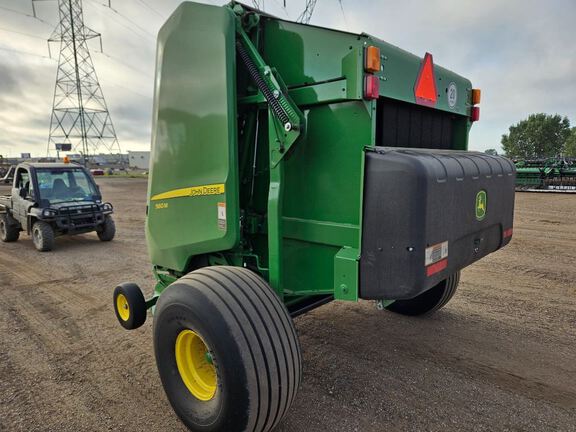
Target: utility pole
80, 116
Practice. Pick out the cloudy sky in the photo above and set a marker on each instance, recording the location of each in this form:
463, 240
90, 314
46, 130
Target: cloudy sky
521, 53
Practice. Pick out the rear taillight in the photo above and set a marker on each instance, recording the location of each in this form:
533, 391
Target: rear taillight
372, 65
371, 87
475, 114
475, 99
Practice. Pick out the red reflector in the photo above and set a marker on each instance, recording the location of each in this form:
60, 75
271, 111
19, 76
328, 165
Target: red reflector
425, 87
507, 233
436, 267
475, 114
371, 87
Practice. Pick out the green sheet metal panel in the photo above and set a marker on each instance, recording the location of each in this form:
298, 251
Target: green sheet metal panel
400, 71
322, 195
193, 188
306, 54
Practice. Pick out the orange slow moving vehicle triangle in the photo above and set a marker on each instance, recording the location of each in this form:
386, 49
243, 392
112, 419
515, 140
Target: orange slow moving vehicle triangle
425, 87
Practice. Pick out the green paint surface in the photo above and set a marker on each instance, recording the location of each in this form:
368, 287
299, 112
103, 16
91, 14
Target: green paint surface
194, 136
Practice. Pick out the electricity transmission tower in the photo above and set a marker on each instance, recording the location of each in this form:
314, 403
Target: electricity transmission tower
80, 116
306, 14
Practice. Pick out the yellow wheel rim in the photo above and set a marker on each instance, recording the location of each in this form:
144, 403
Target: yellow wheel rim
195, 365
123, 307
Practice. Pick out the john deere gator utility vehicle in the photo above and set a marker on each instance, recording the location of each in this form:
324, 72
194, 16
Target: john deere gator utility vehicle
293, 165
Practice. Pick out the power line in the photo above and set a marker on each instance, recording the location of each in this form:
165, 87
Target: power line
142, 29
343, 14
25, 14
115, 19
146, 5
24, 52
124, 64
282, 4
130, 90
21, 33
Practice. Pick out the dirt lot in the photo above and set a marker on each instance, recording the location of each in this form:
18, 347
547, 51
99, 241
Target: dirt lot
500, 356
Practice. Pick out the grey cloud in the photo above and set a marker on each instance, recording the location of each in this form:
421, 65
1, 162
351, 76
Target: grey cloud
10, 80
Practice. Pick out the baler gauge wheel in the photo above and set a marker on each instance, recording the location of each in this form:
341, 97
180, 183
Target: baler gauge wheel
130, 305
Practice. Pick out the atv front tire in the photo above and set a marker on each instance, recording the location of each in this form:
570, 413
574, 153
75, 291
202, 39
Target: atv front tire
43, 236
107, 230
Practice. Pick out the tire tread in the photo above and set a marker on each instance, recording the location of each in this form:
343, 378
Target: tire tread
249, 299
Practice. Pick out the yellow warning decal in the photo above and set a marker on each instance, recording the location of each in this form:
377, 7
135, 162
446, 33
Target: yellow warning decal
193, 191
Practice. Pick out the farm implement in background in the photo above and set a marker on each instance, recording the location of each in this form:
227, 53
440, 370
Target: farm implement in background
546, 175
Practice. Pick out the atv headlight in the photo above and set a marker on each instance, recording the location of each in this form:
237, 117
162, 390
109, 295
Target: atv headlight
47, 213
107, 207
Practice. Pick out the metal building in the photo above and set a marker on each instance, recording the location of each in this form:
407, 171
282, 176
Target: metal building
139, 159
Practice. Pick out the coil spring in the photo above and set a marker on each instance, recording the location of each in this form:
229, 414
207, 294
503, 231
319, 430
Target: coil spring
261, 84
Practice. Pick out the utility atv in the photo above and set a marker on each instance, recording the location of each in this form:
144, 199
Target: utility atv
51, 199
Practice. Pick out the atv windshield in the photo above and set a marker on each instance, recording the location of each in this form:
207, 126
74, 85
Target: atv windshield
65, 185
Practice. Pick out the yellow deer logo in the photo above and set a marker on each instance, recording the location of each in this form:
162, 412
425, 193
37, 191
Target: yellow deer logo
481, 203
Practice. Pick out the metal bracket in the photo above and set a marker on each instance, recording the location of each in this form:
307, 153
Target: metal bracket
287, 119
346, 274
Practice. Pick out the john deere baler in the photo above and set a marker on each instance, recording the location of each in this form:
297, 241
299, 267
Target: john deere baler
294, 165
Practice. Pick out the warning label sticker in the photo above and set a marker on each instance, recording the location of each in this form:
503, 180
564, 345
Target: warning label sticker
436, 253
222, 216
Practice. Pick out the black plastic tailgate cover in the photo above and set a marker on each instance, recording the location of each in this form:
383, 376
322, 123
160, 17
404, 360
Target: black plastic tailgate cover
429, 213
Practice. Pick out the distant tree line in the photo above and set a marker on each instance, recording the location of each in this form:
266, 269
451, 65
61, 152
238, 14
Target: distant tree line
540, 136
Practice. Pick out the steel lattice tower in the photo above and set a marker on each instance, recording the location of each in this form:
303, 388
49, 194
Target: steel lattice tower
80, 116
306, 15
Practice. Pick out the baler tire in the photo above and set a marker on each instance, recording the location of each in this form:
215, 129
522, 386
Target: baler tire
43, 236
129, 306
107, 231
248, 334
429, 301
8, 233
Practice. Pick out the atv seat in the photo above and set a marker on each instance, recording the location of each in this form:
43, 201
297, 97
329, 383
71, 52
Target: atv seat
59, 188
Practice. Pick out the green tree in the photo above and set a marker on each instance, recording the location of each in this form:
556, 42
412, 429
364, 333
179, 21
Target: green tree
491, 152
570, 146
540, 135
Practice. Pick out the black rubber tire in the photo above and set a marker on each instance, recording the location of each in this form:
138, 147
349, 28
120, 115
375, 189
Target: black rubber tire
107, 230
43, 236
429, 301
253, 342
8, 232
136, 305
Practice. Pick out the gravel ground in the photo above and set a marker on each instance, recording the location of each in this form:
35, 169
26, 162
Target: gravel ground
500, 356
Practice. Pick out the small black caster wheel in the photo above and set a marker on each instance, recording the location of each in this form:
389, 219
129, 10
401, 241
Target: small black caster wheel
130, 305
